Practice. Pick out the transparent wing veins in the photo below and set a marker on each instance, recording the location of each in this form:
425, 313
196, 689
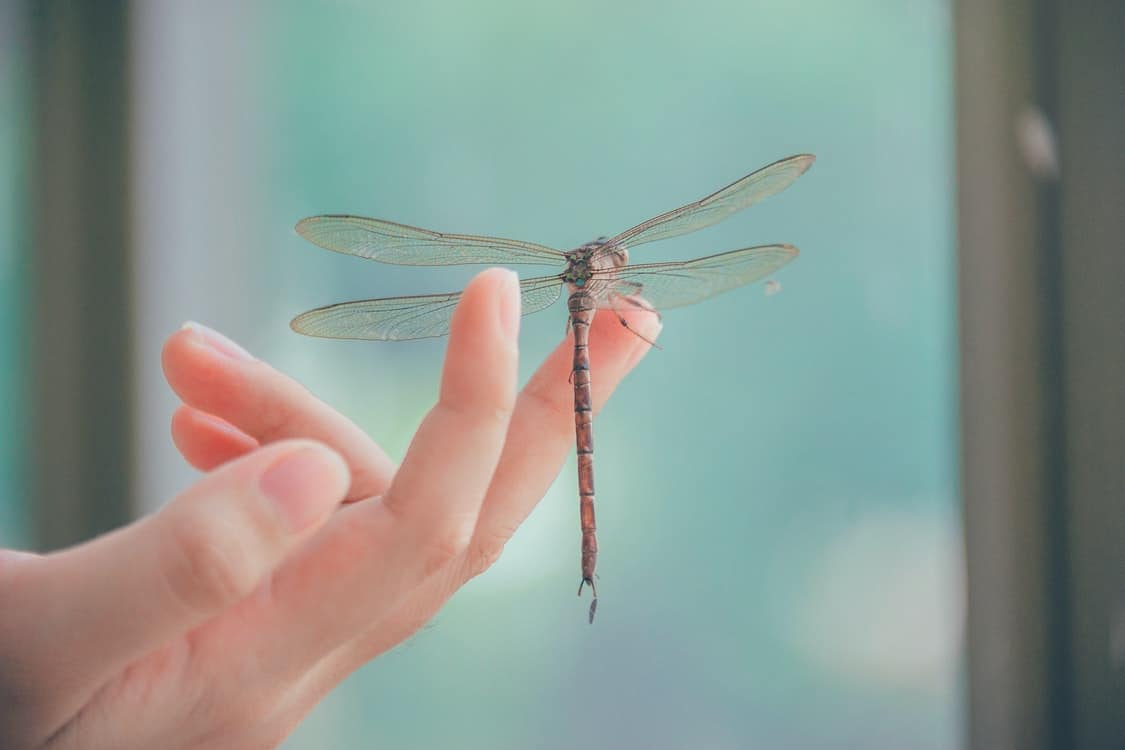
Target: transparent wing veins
401, 244
741, 194
406, 318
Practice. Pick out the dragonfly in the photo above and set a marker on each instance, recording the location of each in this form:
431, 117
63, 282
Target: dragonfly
597, 276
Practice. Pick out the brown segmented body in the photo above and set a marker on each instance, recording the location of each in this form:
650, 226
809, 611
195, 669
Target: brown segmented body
581, 316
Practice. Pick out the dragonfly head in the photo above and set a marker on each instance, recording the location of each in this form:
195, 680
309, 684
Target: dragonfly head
586, 261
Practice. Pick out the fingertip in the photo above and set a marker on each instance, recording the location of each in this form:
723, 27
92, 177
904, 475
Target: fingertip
200, 335
181, 420
171, 351
196, 353
186, 360
182, 427
495, 278
496, 289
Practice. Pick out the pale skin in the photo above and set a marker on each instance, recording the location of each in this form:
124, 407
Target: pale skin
302, 554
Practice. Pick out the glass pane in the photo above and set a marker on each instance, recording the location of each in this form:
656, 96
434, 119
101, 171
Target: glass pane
777, 503
15, 133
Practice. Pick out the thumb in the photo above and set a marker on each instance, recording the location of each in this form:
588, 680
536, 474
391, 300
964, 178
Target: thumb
140, 587
219, 539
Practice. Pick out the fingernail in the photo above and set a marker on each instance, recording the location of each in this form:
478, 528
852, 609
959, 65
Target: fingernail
217, 341
300, 485
509, 291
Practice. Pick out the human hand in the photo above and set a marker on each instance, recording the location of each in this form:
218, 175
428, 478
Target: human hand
222, 619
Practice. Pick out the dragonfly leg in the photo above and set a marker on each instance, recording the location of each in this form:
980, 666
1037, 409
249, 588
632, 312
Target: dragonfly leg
638, 301
643, 306
594, 601
570, 377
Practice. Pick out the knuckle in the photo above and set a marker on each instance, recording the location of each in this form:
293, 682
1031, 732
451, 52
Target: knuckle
207, 566
498, 413
273, 421
556, 410
488, 412
443, 548
483, 556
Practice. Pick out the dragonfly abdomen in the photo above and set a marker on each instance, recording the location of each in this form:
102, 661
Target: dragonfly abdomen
581, 307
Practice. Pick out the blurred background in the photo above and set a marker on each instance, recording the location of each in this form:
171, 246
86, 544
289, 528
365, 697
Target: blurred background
880, 509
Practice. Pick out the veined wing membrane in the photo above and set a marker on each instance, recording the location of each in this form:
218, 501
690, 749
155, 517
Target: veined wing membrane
714, 208
667, 285
404, 318
388, 242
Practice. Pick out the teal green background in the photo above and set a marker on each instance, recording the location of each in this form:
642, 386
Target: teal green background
777, 498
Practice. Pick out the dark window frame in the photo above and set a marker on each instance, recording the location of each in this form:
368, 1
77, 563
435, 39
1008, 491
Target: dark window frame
1042, 305
80, 359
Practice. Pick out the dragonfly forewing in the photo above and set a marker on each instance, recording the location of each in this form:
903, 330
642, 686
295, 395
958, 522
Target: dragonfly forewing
405, 318
400, 244
767, 181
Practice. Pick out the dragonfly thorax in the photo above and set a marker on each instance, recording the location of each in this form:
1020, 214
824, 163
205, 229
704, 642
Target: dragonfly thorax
585, 261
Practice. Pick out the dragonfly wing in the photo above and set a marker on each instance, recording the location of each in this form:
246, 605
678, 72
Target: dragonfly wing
404, 318
388, 242
714, 208
667, 285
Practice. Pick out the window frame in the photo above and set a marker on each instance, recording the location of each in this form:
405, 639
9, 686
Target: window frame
1042, 367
